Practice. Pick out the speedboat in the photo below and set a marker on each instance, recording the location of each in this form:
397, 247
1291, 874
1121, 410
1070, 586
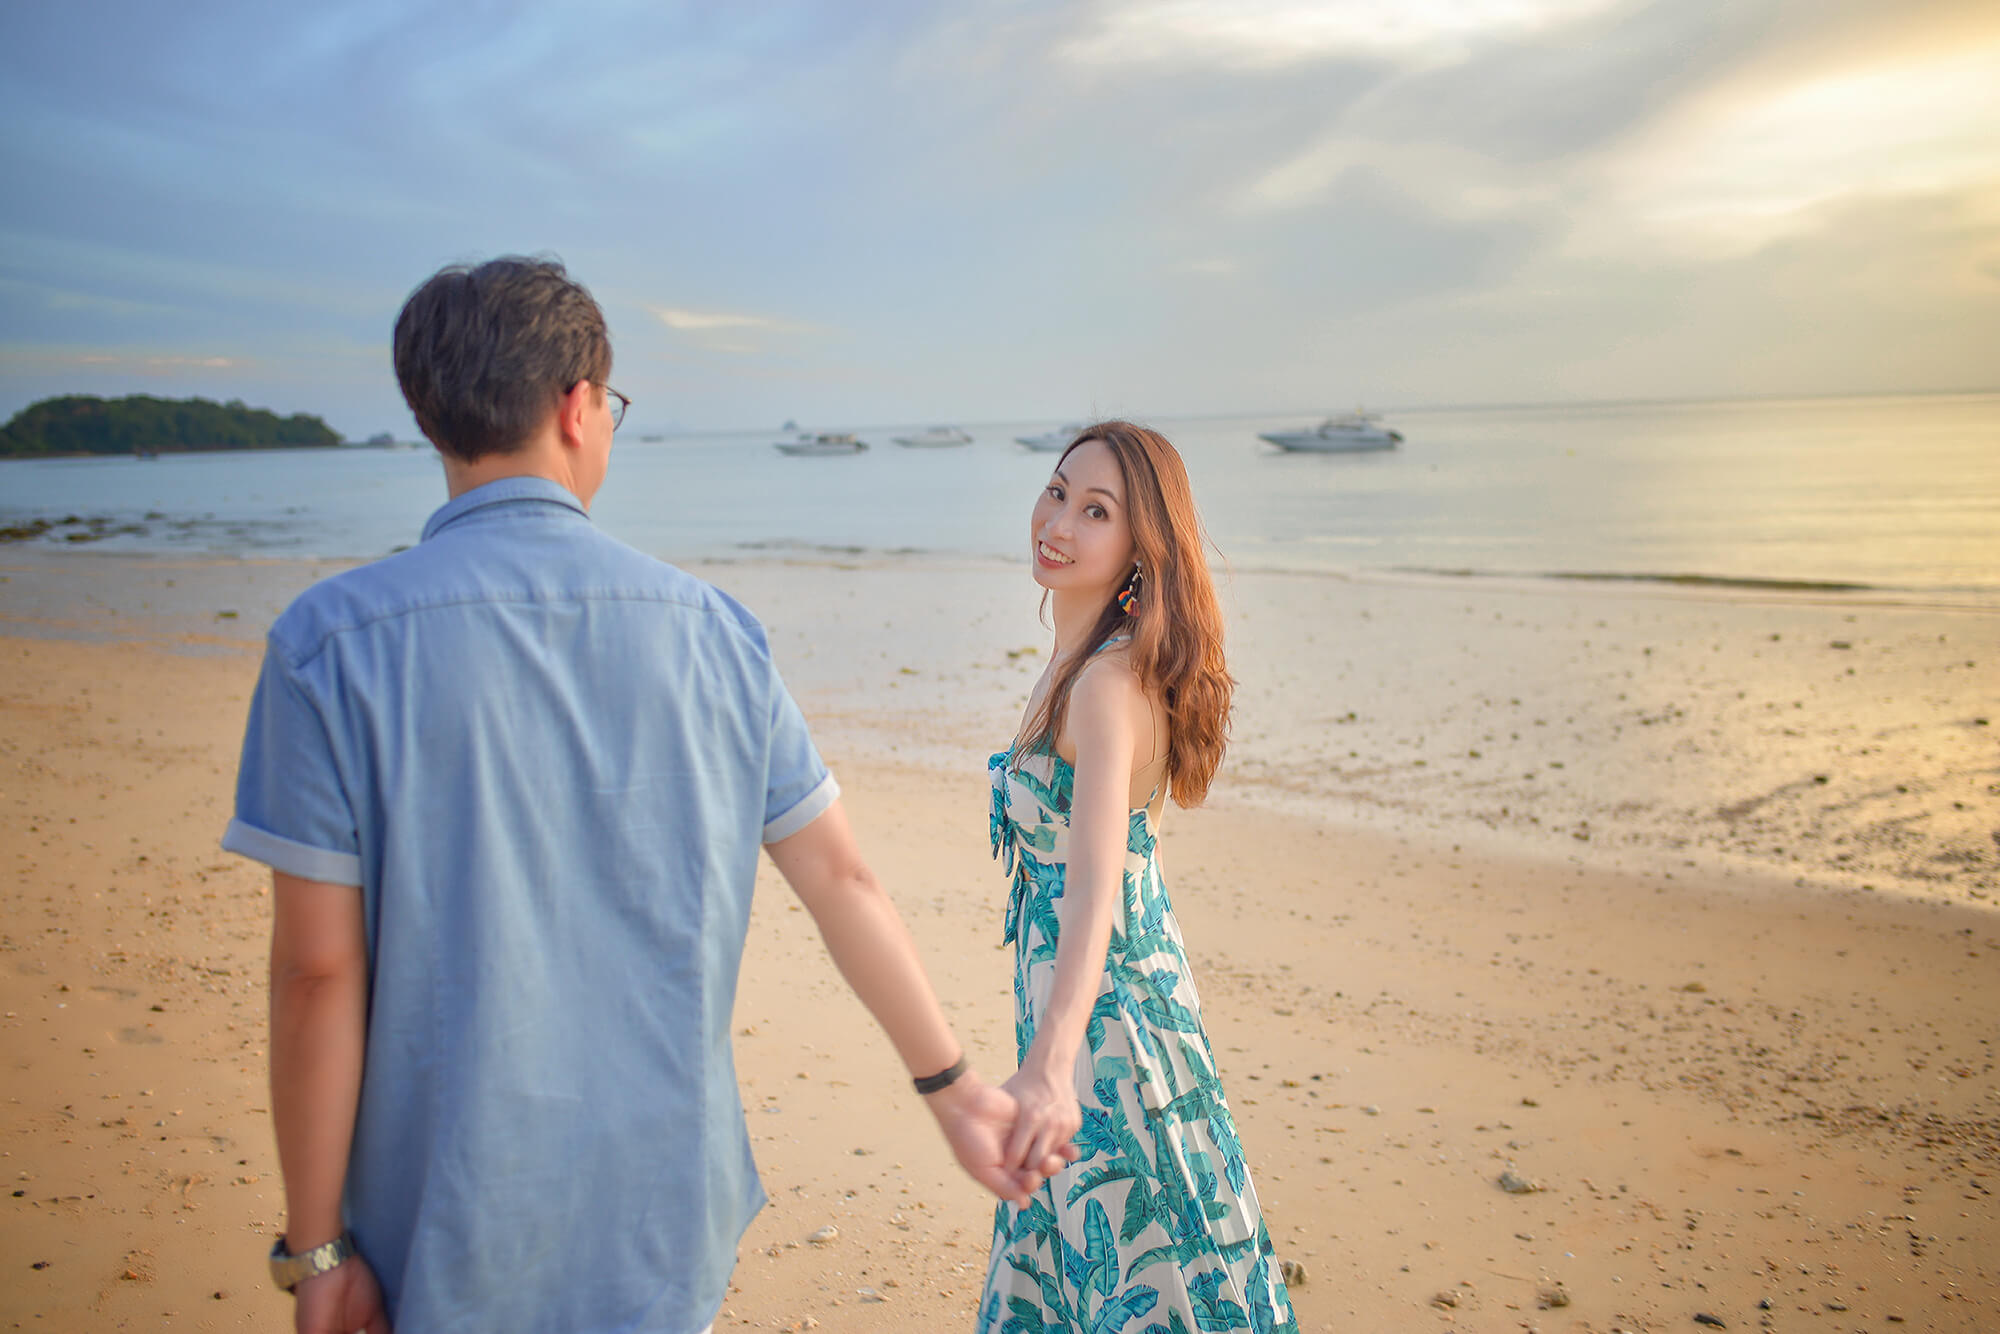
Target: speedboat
937, 437
810, 445
1349, 433
1051, 442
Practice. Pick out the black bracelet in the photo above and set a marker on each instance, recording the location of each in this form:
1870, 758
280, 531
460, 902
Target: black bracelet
944, 1079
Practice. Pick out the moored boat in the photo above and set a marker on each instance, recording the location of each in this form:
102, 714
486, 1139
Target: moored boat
1349, 433
935, 437
1051, 442
809, 444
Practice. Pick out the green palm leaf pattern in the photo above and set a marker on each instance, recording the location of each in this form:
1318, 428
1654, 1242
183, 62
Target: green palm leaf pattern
1213, 1310
1143, 1207
1024, 1317
1159, 1149
1102, 1252
1122, 1169
1055, 1302
1173, 1254
1122, 1310
1095, 1136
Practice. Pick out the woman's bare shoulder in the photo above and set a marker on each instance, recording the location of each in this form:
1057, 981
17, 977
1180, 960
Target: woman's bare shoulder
1107, 682
1109, 672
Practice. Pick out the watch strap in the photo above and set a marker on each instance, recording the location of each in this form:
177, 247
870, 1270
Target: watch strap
288, 1270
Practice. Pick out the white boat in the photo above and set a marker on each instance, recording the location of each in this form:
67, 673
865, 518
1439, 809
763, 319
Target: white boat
937, 437
1051, 442
810, 445
1349, 433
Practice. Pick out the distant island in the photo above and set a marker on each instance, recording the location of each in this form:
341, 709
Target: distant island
142, 424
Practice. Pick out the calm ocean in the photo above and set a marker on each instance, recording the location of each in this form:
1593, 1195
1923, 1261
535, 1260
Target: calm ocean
1896, 494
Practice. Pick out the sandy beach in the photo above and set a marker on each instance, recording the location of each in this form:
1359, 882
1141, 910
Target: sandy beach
1677, 907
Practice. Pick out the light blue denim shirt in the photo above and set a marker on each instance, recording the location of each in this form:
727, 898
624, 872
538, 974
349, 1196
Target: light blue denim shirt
548, 762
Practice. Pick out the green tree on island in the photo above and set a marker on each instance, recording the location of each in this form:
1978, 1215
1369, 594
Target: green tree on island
140, 423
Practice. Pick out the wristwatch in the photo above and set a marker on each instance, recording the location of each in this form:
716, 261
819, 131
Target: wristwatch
288, 1270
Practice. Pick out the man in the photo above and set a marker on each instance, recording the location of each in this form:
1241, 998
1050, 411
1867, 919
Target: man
512, 784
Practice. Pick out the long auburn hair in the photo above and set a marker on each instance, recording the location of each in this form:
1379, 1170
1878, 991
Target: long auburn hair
1177, 629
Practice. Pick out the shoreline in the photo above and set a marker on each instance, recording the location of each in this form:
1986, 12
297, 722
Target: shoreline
18, 542
1830, 743
1726, 1092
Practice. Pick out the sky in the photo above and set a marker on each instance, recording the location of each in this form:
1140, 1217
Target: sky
866, 212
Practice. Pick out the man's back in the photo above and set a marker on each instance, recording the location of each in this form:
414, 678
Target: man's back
500, 1072
549, 762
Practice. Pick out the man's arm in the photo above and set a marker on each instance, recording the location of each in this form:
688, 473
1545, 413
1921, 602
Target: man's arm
319, 1021
869, 944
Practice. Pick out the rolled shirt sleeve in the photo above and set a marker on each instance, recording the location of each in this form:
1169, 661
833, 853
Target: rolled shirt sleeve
292, 811
798, 786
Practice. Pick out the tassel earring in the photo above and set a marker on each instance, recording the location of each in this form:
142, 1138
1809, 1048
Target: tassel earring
1128, 596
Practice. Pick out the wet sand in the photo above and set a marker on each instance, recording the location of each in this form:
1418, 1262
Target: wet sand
1734, 1076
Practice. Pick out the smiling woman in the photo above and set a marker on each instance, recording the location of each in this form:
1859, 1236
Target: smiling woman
1108, 1026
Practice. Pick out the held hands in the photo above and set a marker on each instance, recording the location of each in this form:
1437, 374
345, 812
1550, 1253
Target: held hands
980, 1123
343, 1300
1049, 1116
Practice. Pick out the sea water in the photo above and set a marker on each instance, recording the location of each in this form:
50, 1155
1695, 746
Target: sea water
1897, 495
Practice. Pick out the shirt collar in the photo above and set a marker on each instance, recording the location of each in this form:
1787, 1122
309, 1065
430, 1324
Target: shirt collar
507, 490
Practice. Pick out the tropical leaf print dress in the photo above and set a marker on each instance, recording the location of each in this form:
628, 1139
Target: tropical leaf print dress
1155, 1228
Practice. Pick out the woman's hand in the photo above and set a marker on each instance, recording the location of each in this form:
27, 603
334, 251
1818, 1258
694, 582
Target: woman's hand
978, 1121
1049, 1116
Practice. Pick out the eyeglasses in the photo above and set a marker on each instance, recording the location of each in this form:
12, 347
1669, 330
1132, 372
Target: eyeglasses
617, 402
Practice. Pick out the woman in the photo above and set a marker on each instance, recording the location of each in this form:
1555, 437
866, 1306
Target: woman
1155, 1225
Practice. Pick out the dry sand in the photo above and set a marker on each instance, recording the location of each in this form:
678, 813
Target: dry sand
1734, 1078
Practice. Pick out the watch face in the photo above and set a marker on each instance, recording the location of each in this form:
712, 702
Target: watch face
288, 1271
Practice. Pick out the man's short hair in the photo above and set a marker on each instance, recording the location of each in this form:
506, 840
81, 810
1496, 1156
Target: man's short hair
484, 352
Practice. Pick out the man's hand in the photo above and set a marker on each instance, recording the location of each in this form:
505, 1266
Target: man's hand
978, 1120
1048, 1115
343, 1300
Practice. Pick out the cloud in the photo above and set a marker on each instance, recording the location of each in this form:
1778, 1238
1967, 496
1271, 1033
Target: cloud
675, 317
1011, 206
1753, 163
1251, 34
205, 363
1453, 182
39, 358
724, 331
1520, 123
52, 299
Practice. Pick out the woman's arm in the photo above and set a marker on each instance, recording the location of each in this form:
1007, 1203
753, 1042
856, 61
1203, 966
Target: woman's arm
1107, 710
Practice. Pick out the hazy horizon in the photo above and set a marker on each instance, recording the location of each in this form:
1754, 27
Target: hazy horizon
1001, 210
677, 429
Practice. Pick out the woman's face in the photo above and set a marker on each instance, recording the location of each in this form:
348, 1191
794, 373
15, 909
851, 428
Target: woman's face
1082, 537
